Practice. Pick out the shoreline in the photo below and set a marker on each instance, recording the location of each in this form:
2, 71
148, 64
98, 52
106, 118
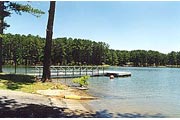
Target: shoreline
54, 99
16, 104
80, 108
84, 102
73, 104
78, 92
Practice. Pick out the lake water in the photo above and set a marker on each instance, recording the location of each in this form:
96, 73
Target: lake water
19, 69
149, 92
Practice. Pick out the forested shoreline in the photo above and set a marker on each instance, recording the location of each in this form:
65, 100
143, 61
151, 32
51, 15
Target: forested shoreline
28, 50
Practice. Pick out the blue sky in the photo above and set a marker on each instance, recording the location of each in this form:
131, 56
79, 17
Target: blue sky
123, 25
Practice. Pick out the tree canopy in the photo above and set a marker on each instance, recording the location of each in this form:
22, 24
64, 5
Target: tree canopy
28, 49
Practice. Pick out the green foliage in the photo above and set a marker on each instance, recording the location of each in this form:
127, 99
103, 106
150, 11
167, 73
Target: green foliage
65, 51
8, 8
82, 81
68, 51
23, 49
172, 58
18, 8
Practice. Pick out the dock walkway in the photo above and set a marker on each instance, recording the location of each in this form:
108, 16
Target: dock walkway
78, 71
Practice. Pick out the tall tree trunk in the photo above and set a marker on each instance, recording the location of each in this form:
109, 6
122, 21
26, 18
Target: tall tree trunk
1, 31
47, 50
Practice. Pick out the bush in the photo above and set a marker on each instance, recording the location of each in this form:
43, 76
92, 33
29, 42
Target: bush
82, 81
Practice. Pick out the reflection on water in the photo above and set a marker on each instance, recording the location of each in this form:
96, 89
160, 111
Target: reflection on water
147, 91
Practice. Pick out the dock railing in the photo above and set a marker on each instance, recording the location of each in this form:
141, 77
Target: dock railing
70, 71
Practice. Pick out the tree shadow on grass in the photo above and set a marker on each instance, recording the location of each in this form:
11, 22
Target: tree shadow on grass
10, 108
15, 81
14, 85
18, 78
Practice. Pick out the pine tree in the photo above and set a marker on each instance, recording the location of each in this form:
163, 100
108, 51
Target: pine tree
47, 50
6, 9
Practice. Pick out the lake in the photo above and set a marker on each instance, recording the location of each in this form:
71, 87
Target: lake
149, 92
19, 69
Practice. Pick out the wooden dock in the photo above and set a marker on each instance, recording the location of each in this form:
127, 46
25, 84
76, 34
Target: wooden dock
117, 73
78, 71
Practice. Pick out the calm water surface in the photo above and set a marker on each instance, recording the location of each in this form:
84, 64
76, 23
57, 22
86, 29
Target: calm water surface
19, 69
149, 92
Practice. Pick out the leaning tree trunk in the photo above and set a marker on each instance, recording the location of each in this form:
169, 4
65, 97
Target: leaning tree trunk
47, 50
1, 31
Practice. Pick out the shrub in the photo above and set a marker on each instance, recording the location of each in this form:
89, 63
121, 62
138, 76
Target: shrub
82, 81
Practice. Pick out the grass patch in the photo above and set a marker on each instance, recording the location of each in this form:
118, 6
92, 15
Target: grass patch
3, 84
26, 83
32, 88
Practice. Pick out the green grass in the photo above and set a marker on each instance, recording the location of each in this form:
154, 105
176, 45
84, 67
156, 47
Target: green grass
26, 83
32, 88
3, 84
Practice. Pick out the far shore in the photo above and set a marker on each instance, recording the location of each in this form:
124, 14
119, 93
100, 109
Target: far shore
106, 66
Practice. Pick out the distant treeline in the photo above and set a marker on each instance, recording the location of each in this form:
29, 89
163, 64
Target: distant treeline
28, 50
